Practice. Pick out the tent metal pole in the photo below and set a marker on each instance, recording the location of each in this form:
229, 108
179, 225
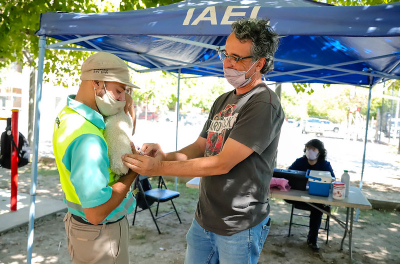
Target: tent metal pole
42, 44
155, 64
317, 78
187, 41
177, 122
146, 56
72, 41
333, 82
365, 144
334, 68
317, 67
90, 43
186, 65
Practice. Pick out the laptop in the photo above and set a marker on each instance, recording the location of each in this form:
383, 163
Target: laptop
297, 179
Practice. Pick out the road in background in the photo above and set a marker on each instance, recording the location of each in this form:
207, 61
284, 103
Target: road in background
344, 154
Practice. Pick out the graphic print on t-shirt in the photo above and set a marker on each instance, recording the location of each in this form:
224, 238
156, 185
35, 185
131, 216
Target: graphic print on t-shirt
220, 123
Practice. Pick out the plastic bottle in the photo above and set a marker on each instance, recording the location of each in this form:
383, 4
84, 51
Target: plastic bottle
346, 180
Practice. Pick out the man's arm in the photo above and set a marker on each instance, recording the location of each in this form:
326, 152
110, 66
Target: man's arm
96, 215
194, 150
233, 153
86, 157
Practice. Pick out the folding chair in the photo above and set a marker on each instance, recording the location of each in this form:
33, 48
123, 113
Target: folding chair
305, 207
160, 194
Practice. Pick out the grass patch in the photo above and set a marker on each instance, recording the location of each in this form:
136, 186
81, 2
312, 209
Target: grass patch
140, 236
188, 197
48, 172
43, 168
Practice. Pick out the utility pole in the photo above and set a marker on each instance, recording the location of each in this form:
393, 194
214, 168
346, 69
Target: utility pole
391, 114
31, 98
396, 122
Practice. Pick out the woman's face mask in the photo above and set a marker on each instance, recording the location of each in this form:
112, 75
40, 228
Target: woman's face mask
312, 154
237, 78
107, 104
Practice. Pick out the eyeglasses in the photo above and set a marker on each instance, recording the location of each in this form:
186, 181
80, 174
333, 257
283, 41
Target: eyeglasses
232, 59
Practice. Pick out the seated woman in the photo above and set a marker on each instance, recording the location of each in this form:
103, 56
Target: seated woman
314, 159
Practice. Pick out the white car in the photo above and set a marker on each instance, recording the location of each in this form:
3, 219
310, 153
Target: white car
395, 131
312, 125
195, 119
329, 126
168, 117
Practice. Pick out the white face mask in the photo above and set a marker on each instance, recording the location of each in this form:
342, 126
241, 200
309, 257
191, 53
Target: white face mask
237, 78
107, 104
312, 154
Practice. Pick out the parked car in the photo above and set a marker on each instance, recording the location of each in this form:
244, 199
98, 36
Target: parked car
293, 122
394, 131
195, 120
167, 116
152, 116
312, 125
329, 126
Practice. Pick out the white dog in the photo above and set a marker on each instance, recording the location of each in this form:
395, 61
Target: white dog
118, 137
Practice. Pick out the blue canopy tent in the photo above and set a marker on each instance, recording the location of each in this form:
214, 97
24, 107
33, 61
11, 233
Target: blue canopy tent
320, 43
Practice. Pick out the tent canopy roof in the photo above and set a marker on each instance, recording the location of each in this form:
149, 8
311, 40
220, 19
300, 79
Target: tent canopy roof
319, 43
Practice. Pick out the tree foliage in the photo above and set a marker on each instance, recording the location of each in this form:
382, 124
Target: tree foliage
333, 104
359, 2
20, 19
159, 89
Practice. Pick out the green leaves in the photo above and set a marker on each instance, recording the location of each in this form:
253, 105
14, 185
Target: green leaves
359, 2
19, 20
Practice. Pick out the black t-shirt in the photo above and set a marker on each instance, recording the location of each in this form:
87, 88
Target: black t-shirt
238, 200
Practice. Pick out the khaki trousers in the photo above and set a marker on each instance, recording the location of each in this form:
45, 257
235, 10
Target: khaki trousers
97, 243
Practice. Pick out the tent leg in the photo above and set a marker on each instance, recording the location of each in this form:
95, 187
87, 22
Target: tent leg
177, 122
42, 45
365, 144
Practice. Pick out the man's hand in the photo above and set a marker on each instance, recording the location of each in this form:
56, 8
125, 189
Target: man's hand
153, 150
144, 165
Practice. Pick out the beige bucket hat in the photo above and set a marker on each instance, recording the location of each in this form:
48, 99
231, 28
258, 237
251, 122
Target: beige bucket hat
104, 66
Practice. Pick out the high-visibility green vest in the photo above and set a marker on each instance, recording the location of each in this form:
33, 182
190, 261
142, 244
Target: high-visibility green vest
69, 126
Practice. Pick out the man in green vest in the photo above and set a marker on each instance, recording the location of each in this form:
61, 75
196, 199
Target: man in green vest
96, 223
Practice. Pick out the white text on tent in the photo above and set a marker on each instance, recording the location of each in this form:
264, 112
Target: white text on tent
213, 15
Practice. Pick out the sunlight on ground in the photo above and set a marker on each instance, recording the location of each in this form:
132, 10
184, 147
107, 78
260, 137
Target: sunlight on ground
42, 191
41, 259
19, 256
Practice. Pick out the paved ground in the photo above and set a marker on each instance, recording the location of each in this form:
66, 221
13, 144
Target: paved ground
12, 219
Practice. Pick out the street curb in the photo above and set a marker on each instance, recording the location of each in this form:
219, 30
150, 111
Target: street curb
384, 205
37, 220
